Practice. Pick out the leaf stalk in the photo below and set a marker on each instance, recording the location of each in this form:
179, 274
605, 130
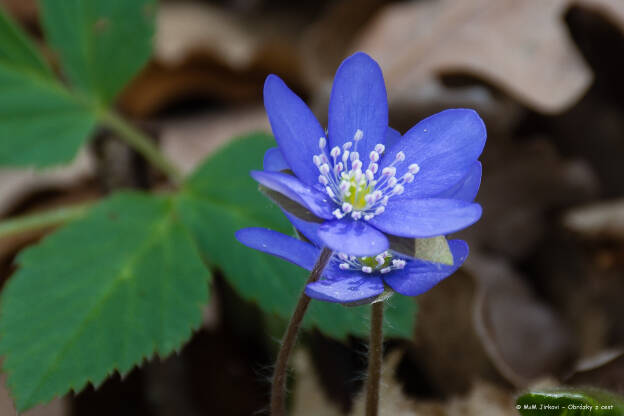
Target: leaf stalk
40, 220
141, 143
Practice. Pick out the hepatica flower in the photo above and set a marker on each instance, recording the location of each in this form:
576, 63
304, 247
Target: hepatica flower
360, 180
350, 279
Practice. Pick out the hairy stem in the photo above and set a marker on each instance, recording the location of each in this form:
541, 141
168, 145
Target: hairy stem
375, 354
141, 143
278, 388
39, 220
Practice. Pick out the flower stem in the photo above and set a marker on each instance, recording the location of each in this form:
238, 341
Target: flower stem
141, 143
375, 354
278, 388
39, 220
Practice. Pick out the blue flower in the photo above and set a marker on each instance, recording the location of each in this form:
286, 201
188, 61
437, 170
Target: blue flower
361, 179
349, 279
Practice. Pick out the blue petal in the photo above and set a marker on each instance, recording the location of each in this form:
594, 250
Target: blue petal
317, 202
345, 290
295, 128
308, 229
445, 146
467, 188
392, 137
420, 218
274, 161
277, 244
356, 238
358, 101
419, 276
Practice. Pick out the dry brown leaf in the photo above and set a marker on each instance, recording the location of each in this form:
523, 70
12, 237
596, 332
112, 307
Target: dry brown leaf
447, 346
522, 182
455, 347
604, 370
202, 50
18, 184
612, 10
483, 399
324, 43
187, 142
511, 321
308, 396
522, 47
601, 220
186, 26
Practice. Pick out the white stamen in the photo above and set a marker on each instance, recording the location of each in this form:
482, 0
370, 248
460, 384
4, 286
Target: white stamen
385, 270
369, 217
355, 156
408, 177
344, 186
347, 207
367, 269
322, 142
381, 259
374, 167
356, 215
357, 175
323, 180
324, 168
344, 266
388, 171
369, 175
400, 156
329, 192
358, 135
373, 156
399, 264
379, 148
392, 181
356, 164
338, 214
380, 210
398, 189
347, 146
345, 157
317, 160
343, 256
414, 168
335, 152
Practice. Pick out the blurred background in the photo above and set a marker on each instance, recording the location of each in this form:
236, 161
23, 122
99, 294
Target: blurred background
539, 302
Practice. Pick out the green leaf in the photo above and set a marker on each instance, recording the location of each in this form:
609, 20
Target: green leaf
103, 293
221, 198
102, 44
569, 402
435, 249
40, 122
17, 50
